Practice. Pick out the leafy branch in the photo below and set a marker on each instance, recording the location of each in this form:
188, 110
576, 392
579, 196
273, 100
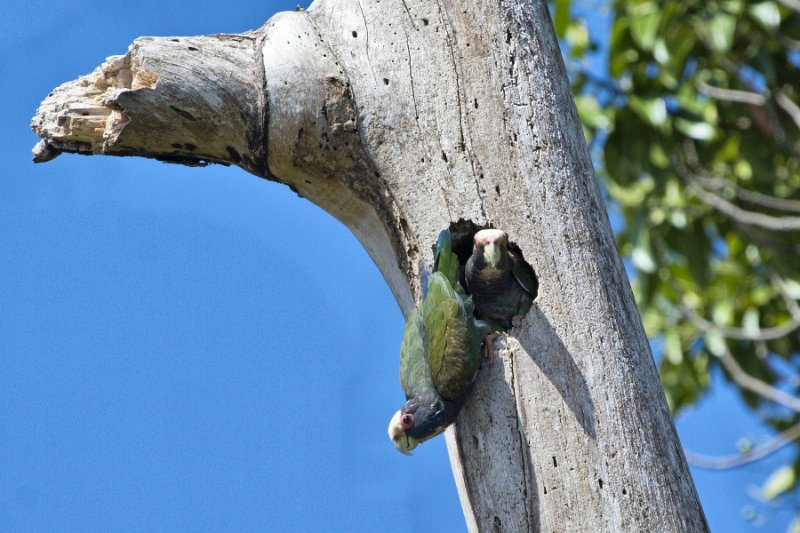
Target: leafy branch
697, 177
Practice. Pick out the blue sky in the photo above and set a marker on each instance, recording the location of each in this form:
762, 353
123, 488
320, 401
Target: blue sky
198, 349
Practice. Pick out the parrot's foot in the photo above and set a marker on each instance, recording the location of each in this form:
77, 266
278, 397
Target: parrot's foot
488, 346
516, 321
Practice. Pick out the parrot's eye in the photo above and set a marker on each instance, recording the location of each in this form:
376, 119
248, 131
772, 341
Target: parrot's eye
407, 421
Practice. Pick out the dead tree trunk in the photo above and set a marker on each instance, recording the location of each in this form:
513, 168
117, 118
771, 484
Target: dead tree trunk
398, 118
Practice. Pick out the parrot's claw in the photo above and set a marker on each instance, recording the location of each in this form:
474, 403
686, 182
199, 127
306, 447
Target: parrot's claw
516, 321
488, 348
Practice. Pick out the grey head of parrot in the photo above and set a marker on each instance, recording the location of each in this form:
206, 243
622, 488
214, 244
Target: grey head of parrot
421, 418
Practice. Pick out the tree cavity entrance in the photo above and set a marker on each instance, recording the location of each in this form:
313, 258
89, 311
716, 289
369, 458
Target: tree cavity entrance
463, 231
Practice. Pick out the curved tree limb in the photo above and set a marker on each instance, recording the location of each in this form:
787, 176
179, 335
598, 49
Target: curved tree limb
736, 213
740, 459
791, 4
761, 238
760, 336
752, 218
719, 184
755, 385
731, 95
788, 42
787, 104
765, 334
791, 303
765, 200
399, 119
768, 121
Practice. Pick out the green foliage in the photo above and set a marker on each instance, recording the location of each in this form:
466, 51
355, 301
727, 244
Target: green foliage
780, 481
695, 131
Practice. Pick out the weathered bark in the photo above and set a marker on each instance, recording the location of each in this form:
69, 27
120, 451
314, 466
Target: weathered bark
400, 118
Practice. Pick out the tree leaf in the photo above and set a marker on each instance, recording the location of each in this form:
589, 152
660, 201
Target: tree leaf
578, 36
743, 169
590, 112
664, 55
642, 256
672, 347
734, 7
766, 13
750, 321
653, 110
658, 156
660, 51
792, 289
744, 445
715, 343
693, 244
723, 312
781, 480
720, 31
702, 131
561, 17
644, 25
643, 260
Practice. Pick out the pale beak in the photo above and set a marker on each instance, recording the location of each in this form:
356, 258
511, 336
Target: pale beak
402, 449
401, 441
491, 253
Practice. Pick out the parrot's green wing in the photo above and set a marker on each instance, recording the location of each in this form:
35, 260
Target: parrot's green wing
442, 340
415, 375
447, 263
452, 347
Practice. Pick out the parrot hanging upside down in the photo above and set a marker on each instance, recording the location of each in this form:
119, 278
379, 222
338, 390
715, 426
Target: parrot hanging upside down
502, 284
439, 355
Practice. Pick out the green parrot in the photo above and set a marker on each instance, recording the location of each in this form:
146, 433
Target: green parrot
502, 284
439, 355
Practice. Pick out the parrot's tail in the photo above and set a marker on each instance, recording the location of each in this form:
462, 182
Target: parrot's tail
446, 261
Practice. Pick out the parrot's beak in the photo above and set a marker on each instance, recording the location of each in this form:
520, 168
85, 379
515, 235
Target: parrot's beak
403, 448
491, 253
401, 441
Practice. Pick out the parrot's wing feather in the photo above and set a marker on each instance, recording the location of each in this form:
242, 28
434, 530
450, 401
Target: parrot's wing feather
441, 343
414, 371
446, 261
523, 272
451, 347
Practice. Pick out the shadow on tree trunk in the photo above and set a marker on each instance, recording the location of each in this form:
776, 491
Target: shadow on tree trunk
545, 349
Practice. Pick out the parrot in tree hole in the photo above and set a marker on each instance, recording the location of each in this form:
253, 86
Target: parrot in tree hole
500, 282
